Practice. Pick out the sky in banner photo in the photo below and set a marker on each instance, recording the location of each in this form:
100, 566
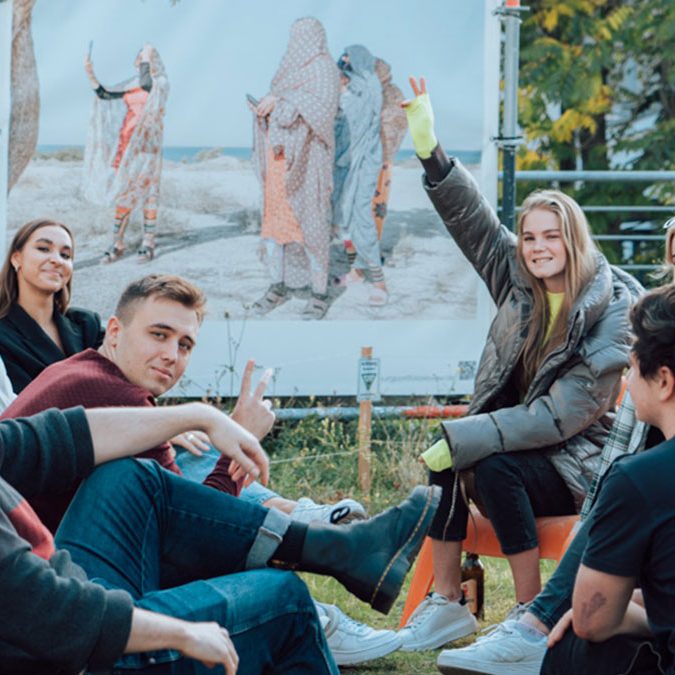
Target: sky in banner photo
217, 52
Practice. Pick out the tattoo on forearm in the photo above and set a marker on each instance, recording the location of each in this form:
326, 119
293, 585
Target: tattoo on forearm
588, 609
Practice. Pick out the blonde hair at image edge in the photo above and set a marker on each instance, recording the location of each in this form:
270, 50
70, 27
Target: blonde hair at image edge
670, 249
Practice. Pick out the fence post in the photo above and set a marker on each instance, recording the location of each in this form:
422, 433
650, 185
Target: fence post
364, 434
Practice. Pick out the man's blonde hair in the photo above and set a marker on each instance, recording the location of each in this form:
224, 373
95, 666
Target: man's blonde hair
165, 286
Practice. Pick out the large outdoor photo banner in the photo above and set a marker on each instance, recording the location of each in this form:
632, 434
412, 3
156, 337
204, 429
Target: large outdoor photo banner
260, 150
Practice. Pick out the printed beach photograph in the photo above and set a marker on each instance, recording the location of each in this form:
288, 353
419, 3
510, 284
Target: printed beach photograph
285, 186
265, 156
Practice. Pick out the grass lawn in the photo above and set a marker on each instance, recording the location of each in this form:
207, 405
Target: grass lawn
318, 458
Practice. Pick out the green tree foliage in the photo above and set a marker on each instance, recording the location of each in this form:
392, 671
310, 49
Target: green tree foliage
597, 91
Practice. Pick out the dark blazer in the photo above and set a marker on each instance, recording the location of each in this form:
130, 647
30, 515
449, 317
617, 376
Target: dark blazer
27, 350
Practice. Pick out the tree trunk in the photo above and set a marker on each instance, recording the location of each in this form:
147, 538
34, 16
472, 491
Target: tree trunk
25, 105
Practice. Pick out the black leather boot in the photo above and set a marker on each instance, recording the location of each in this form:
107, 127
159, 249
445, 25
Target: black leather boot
370, 558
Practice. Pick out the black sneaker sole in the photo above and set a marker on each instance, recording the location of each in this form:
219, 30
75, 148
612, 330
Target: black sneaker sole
389, 584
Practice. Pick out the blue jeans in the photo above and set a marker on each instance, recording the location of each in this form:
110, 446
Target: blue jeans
198, 468
182, 549
556, 597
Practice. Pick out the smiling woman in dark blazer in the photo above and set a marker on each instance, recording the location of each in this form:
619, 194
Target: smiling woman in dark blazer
37, 328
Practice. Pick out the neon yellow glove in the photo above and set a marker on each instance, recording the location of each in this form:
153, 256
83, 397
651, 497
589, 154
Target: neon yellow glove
438, 457
421, 122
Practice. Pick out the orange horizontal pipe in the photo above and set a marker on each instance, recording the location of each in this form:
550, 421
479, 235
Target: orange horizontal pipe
436, 411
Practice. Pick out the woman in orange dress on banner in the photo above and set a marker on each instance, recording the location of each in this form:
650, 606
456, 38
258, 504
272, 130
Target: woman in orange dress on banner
393, 125
294, 149
123, 155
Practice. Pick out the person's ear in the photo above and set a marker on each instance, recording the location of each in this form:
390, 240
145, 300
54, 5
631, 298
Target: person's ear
15, 260
112, 331
667, 383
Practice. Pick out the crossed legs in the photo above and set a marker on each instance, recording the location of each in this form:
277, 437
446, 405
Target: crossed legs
182, 549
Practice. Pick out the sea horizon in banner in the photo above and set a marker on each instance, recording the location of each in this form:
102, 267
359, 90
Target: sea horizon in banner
208, 215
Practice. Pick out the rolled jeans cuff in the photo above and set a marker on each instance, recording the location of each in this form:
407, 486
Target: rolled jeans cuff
268, 538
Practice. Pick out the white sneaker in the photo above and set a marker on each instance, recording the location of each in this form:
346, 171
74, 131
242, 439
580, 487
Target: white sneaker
341, 513
352, 642
436, 621
502, 651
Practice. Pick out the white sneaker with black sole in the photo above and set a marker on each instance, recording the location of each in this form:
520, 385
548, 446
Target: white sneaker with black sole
508, 648
345, 511
352, 642
436, 622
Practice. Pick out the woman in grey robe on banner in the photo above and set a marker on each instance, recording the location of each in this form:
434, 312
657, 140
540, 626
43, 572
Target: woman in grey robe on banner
361, 105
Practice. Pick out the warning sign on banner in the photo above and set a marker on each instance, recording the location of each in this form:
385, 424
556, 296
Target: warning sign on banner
368, 388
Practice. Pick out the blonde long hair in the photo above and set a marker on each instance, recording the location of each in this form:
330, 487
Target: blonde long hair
670, 240
579, 270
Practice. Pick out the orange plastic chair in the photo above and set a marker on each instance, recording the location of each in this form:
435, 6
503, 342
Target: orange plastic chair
554, 534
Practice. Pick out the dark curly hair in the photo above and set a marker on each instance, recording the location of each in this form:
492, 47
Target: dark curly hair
653, 319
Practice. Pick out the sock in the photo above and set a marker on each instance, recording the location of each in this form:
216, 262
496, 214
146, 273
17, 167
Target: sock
530, 633
376, 275
121, 219
290, 548
149, 221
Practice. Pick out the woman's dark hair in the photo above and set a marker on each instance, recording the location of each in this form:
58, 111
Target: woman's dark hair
9, 286
653, 319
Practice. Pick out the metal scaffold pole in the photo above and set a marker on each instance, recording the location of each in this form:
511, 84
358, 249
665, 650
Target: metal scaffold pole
510, 138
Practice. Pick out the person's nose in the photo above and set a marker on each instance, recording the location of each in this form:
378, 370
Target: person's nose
170, 351
538, 244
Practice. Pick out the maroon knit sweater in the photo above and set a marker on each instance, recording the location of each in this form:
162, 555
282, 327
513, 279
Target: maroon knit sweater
91, 380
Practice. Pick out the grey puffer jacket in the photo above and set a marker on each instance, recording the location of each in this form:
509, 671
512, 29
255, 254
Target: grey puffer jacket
566, 411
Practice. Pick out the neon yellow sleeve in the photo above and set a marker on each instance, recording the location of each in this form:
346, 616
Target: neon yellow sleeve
421, 122
438, 457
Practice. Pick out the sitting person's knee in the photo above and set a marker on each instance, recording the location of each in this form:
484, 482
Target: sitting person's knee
125, 473
493, 469
289, 588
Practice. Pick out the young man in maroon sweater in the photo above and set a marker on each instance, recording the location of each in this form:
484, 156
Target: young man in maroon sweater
146, 350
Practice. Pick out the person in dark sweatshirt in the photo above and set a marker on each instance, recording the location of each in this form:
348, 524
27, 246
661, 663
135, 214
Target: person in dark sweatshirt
622, 617
173, 564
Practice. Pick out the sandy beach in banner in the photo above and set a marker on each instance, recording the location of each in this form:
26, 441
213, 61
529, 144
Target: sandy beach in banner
208, 227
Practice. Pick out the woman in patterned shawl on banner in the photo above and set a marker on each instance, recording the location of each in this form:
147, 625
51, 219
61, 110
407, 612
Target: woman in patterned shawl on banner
123, 155
294, 152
